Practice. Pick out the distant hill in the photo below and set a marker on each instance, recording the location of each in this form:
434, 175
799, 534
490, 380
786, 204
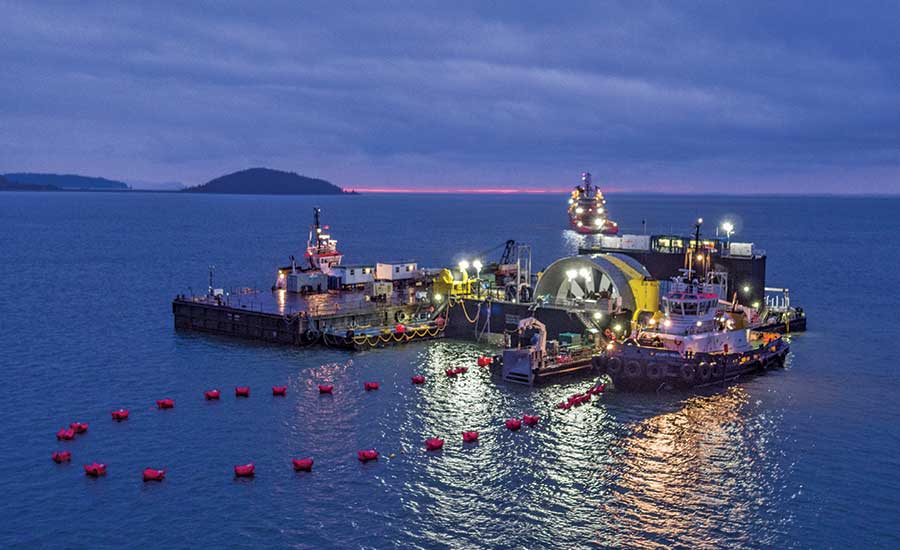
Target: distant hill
265, 181
66, 181
6, 185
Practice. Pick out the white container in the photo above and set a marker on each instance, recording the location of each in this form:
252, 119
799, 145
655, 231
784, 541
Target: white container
740, 249
395, 271
635, 242
608, 241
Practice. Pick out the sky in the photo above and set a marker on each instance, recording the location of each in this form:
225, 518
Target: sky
682, 97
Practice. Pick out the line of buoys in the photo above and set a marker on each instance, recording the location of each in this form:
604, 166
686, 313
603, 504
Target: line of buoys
242, 391
470, 437
326, 388
453, 372
513, 424
119, 415
65, 434
61, 456
212, 395
246, 470
152, 474
79, 427
530, 420
367, 455
165, 403
369, 386
280, 391
302, 464
418, 379
95, 470
434, 444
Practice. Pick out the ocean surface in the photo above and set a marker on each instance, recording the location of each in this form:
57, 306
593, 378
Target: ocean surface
807, 457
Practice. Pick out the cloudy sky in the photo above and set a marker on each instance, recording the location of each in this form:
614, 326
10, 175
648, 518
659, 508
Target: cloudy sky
683, 97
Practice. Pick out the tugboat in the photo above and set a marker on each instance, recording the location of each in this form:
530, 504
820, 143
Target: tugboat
321, 256
587, 209
691, 343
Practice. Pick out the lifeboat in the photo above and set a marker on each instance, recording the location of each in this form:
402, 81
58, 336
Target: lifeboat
121, 414
165, 403
212, 395
79, 427
434, 444
279, 390
302, 464
326, 388
530, 420
65, 434
513, 424
247, 470
95, 470
418, 379
243, 391
371, 386
151, 474
61, 456
470, 437
367, 455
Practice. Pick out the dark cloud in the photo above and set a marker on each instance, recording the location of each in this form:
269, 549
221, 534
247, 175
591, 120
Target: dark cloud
707, 96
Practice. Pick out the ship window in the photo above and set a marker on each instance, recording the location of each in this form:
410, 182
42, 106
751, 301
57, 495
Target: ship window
407, 268
352, 272
397, 269
690, 308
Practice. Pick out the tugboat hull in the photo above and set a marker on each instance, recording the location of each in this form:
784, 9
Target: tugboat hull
639, 368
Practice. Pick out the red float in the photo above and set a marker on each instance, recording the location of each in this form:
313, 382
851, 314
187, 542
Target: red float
462, 370
371, 386
451, 373
95, 470
367, 455
247, 470
513, 424
65, 434
212, 395
61, 456
418, 379
243, 391
399, 329
564, 405
151, 474
302, 464
165, 403
434, 444
279, 390
326, 388
470, 437
530, 420
121, 414
79, 427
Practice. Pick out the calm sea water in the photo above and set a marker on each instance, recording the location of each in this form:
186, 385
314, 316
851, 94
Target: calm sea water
806, 457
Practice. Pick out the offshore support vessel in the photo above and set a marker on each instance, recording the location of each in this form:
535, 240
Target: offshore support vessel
587, 209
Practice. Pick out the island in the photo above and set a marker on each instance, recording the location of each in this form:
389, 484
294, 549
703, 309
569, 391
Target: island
49, 182
266, 181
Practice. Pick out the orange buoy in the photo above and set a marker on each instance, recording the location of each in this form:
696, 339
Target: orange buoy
247, 470
367, 455
79, 427
165, 403
530, 420
242, 391
326, 388
121, 414
61, 456
418, 379
279, 390
513, 424
302, 464
151, 474
434, 444
212, 395
65, 434
371, 386
470, 437
95, 470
